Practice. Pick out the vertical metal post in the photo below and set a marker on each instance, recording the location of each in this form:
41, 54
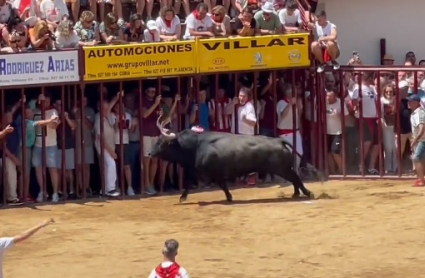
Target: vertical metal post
82, 145
343, 127
23, 188
63, 123
361, 123
3, 144
43, 186
119, 119
141, 157
398, 125
379, 125
102, 142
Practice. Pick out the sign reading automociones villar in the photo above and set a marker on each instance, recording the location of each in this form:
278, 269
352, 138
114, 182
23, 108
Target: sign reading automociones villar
39, 68
252, 53
139, 60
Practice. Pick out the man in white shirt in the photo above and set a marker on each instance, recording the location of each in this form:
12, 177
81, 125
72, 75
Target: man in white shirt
8, 242
368, 97
199, 24
51, 148
417, 119
246, 116
334, 130
290, 17
169, 268
326, 44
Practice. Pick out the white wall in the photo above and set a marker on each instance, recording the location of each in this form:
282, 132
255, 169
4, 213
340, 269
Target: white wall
362, 23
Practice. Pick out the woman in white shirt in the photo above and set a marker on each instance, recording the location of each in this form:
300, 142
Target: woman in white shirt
169, 24
66, 37
388, 122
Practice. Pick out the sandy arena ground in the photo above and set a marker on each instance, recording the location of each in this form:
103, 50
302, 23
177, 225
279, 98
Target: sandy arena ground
371, 229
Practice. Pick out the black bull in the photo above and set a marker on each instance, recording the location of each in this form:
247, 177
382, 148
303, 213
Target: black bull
218, 157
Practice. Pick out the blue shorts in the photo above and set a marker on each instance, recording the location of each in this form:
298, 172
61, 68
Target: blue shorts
51, 157
419, 153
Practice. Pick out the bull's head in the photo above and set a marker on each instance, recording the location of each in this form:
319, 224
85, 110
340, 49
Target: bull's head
179, 147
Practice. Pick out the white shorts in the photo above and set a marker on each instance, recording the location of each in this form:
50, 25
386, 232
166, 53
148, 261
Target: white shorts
148, 143
290, 139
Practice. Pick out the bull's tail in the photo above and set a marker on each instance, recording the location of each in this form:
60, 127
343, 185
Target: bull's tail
309, 167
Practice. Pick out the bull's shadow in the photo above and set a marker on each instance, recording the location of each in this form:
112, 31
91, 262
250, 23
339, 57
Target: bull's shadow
247, 202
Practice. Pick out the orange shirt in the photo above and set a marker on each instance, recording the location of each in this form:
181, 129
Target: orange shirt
43, 45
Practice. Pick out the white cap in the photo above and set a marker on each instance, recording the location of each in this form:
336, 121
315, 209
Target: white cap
403, 84
151, 25
267, 7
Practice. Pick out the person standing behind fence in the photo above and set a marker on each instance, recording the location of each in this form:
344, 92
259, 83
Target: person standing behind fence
169, 268
151, 133
8, 242
388, 128
203, 117
417, 120
108, 144
223, 122
51, 148
67, 141
285, 122
88, 124
370, 118
125, 123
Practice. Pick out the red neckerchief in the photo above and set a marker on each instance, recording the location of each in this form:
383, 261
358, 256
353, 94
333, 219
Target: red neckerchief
168, 22
216, 20
196, 15
153, 35
168, 272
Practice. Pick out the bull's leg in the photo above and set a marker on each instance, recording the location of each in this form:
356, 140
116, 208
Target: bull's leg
183, 197
292, 176
223, 186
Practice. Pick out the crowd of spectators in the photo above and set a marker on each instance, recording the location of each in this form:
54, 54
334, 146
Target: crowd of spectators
48, 25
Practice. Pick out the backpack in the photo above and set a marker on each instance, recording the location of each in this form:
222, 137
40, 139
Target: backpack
168, 272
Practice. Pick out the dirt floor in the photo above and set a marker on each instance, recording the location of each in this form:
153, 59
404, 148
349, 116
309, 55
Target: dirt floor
371, 229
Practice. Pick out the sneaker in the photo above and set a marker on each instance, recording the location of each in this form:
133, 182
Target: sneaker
130, 191
55, 198
113, 193
418, 183
335, 65
321, 68
150, 190
15, 202
40, 197
373, 172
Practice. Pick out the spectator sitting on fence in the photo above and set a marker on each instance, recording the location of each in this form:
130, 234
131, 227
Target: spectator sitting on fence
87, 29
108, 141
199, 24
169, 267
66, 37
151, 33
53, 11
169, 24
8, 242
50, 150
18, 36
246, 25
110, 31
9, 13
290, 18
133, 33
326, 47
221, 21
267, 21
417, 120
67, 142
124, 123
41, 37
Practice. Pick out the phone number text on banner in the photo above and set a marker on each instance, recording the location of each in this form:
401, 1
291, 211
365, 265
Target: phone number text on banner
39, 68
250, 53
139, 60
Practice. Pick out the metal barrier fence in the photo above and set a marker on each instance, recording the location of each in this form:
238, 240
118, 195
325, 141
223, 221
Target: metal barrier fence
186, 64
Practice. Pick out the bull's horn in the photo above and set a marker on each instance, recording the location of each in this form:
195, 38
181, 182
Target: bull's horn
161, 128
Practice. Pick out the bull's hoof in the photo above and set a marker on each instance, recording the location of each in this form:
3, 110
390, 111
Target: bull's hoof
182, 199
311, 195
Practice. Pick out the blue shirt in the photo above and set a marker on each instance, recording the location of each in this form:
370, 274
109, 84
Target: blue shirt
204, 115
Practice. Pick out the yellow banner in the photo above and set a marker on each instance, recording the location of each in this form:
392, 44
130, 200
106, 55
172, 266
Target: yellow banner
250, 53
139, 60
